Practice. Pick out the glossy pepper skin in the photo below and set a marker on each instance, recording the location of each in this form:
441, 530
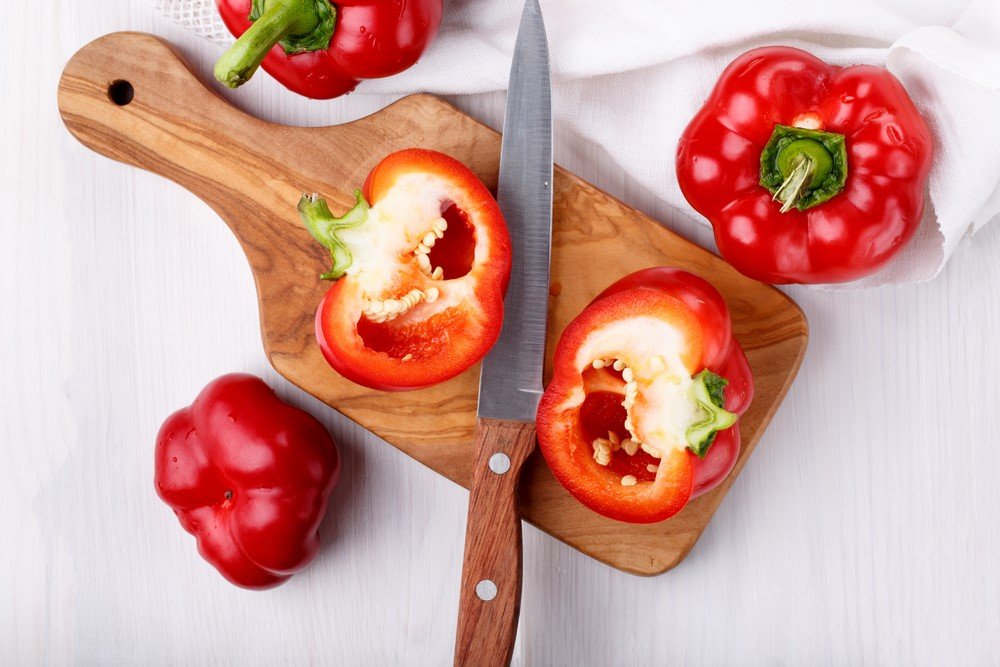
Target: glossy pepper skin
582, 402
249, 476
853, 183
376, 259
326, 48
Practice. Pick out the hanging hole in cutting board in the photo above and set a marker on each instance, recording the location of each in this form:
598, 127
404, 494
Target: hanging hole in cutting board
121, 92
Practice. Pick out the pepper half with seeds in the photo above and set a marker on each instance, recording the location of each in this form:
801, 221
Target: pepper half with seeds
420, 264
648, 384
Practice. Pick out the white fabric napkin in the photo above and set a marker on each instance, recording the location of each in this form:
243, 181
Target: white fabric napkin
629, 75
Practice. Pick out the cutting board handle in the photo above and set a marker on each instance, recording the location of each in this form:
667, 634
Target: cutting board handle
131, 97
490, 598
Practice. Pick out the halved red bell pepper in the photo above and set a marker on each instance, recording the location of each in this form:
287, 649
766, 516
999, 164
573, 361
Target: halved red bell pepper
809, 173
648, 385
420, 273
322, 49
249, 476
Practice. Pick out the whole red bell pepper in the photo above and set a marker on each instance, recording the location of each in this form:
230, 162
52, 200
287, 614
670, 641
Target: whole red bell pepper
642, 410
420, 266
809, 173
249, 476
320, 49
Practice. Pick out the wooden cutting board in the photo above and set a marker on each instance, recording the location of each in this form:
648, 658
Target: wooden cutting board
131, 97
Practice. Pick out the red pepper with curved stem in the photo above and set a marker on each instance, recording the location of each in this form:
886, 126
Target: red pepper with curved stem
641, 413
809, 173
249, 476
420, 273
320, 49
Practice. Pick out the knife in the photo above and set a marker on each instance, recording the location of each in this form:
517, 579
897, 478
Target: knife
511, 382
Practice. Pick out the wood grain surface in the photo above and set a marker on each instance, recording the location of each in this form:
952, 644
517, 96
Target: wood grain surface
253, 173
487, 627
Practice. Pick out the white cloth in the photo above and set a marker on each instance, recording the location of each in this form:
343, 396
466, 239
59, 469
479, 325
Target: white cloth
629, 75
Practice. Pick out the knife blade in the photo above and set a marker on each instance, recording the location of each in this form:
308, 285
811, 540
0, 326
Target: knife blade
510, 383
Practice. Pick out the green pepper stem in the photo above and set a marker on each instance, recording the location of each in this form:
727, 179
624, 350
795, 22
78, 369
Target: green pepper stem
707, 392
309, 23
792, 188
803, 168
324, 227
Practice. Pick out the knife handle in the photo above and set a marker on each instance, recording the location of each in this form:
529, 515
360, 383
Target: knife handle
490, 599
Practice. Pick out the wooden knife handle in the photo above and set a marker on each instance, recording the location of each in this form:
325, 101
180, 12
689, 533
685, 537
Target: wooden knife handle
490, 599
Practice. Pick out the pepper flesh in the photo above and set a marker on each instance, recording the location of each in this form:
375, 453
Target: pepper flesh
832, 229
587, 402
249, 476
413, 304
342, 45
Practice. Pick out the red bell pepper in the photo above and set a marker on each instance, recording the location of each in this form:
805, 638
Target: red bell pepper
642, 410
249, 477
323, 50
809, 173
419, 273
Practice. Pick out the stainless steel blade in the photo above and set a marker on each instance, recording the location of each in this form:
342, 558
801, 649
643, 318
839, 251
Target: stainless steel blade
511, 382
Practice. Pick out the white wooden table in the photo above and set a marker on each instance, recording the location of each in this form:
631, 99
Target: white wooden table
864, 529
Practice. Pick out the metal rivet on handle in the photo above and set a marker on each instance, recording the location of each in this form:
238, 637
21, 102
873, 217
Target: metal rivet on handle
499, 463
486, 590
